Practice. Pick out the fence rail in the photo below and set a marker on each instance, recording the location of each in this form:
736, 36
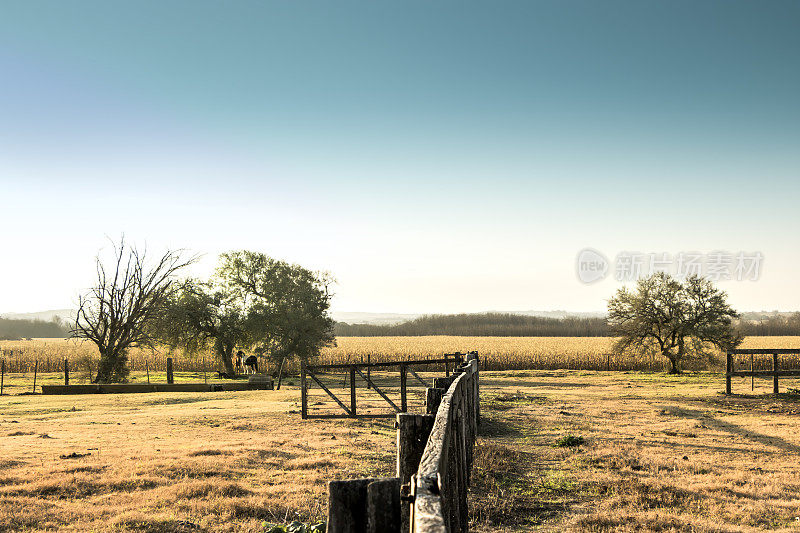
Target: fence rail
775, 372
439, 489
434, 460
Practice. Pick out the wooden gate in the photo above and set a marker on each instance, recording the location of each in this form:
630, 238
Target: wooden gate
774, 372
364, 371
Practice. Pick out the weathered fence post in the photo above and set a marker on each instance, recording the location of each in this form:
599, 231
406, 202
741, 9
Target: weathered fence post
383, 506
433, 397
364, 505
2, 375
412, 435
403, 388
35, 371
474, 392
775, 373
728, 370
442, 383
66, 371
303, 391
369, 371
347, 506
446, 367
170, 376
353, 391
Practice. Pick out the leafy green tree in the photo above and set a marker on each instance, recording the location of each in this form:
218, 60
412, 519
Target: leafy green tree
672, 318
204, 315
287, 305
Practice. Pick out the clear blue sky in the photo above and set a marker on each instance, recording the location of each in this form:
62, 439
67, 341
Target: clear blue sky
434, 156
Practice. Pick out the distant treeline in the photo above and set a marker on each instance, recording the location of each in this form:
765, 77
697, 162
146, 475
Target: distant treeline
511, 325
14, 329
779, 325
482, 325
479, 325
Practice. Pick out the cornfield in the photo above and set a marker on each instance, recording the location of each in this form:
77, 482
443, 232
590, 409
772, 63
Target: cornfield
528, 353
23, 356
496, 353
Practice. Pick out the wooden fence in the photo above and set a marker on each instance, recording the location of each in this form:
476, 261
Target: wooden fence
25, 361
774, 371
405, 369
434, 460
66, 368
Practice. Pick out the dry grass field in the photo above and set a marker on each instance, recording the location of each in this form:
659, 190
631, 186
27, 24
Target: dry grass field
175, 461
660, 453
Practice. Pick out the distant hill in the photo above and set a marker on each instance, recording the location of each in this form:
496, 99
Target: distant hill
372, 318
65, 315
757, 316
13, 329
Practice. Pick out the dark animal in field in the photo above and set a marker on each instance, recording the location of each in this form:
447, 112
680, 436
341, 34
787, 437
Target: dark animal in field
251, 365
224, 375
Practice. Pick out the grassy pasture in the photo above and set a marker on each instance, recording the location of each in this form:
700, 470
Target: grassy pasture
175, 461
659, 452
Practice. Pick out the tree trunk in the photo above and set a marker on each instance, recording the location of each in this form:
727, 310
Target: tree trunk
113, 367
280, 372
225, 353
673, 362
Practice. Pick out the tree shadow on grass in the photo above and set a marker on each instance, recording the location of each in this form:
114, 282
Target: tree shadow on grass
491, 426
733, 429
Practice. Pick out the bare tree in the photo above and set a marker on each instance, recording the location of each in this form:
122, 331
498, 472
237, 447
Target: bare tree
129, 295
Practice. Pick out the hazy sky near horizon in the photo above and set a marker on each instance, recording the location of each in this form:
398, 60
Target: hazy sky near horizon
433, 156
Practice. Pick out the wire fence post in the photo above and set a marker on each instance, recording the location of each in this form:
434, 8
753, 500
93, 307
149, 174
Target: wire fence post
728, 370
66, 371
170, 376
303, 391
353, 391
775, 373
403, 388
